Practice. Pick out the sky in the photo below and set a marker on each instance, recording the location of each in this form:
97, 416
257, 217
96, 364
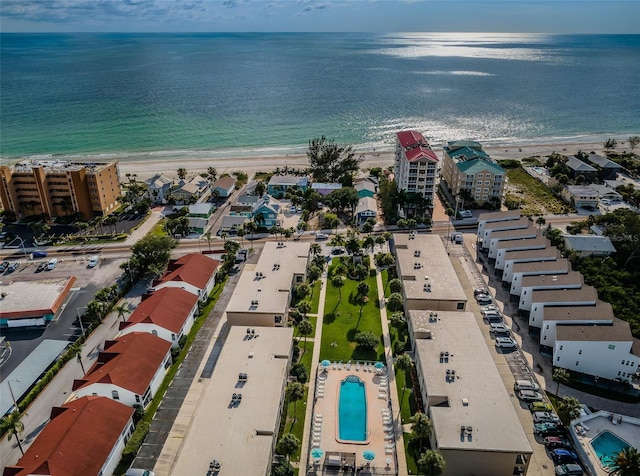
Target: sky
519, 16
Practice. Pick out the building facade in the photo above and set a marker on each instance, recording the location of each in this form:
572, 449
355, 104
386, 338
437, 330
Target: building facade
416, 164
56, 188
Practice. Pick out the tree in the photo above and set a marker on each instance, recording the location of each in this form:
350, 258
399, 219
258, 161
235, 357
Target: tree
380, 240
313, 273
369, 243
302, 290
540, 221
568, 409
295, 392
76, 350
304, 307
560, 376
288, 445
353, 245
332, 163
404, 362
395, 302
367, 339
122, 309
337, 281
398, 321
363, 288
14, 425
610, 144
625, 463
315, 249
633, 141
421, 428
152, 251
431, 463
182, 173
211, 173
330, 221
395, 285
305, 327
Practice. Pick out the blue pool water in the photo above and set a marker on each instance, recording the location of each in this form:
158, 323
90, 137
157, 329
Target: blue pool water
352, 410
607, 446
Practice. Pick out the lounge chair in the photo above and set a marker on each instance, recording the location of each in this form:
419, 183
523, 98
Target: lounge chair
348, 365
316, 444
388, 451
335, 365
318, 416
382, 396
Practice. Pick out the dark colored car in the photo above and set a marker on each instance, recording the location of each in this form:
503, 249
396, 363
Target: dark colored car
569, 470
41, 267
549, 429
564, 456
479, 291
3, 266
39, 254
553, 442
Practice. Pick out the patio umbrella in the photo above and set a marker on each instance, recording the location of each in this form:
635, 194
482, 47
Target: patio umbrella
368, 455
325, 363
316, 453
379, 365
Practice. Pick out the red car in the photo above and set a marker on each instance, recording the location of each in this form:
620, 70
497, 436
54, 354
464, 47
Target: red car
553, 442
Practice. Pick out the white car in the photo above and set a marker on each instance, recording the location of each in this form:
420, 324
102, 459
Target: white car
93, 261
321, 236
490, 307
499, 328
484, 299
506, 343
465, 213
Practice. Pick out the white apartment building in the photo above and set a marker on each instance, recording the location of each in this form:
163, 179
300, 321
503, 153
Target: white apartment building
489, 228
571, 280
585, 296
520, 270
491, 217
416, 164
526, 256
600, 314
537, 243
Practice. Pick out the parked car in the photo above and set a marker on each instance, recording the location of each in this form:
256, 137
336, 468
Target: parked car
506, 343
492, 316
530, 396
540, 407
458, 238
549, 429
490, 307
337, 251
321, 236
525, 385
545, 417
38, 254
12, 267
466, 213
93, 261
500, 329
569, 470
479, 291
53, 262
41, 267
564, 456
552, 442
3, 266
484, 299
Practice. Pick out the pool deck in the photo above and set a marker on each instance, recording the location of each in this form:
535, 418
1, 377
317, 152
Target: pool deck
325, 417
586, 428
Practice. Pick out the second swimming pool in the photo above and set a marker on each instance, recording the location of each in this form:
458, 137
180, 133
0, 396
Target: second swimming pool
352, 411
607, 446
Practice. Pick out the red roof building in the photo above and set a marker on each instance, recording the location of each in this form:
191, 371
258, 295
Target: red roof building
415, 147
416, 165
168, 313
129, 369
193, 272
79, 440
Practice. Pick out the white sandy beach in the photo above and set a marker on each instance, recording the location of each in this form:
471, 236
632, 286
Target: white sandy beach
253, 164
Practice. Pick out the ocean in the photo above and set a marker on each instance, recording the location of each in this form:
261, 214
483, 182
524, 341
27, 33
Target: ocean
137, 96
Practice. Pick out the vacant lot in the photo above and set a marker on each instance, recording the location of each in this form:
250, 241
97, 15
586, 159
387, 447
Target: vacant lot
535, 197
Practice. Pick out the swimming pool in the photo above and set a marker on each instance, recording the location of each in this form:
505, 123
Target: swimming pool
352, 411
607, 446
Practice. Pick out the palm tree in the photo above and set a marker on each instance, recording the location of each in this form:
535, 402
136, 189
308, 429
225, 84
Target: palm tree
568, 409
421, 428
380, 240
540, 221
625, 463
14, 425
182, 173
315, 249
305, 327
337, 281
122, 309
76, 350
431, 463
560, 376
207, 235
363, 288
212, 172
260, 189
295, 390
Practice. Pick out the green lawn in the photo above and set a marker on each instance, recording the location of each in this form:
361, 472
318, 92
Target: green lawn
315, 296
538, 199
408, 404
385, 281
412, 467
342, 321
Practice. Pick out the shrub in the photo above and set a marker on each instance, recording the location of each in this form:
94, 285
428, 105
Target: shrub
367, 339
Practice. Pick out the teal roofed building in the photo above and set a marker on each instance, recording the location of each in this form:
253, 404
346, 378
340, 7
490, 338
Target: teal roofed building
466, 166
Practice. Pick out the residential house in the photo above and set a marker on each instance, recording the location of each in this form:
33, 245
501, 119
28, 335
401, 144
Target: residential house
571, 280
489, 228
520, 270
365, 188
366, 208
279, 185
247, 200
232, 223
589, 245
267, 212
416, 165
605, 192
159, 188
84, 436
464, 396
526, 256
580, 196
491, 217
466, 166
599, 314
607, 169
191, 191
577, 167
624, 180
129, 370
540, 299
168, 313
537, 243
194, 272
199, 216
224, 186
324, 188
498, 237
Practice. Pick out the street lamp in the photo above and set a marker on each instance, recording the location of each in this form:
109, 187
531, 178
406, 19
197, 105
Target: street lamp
80, 318
13, 397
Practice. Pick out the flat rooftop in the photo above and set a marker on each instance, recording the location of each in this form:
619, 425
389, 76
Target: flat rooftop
26, 299
551, 253
239, 436
542, 266
524, 243
57, 166
499, 216
585, 293
268, 282
507, 224
424, 260
571, 278
618, 330
476, 398
598, 312
530, 232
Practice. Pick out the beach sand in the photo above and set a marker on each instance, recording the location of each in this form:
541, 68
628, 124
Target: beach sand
383, 158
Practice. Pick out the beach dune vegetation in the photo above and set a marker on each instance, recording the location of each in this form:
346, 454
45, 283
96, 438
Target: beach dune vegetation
330, 162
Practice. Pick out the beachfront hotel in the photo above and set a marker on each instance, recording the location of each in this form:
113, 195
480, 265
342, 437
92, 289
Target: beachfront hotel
266, 287
416, 164
428, 278
466, 166
56, 188
475, 426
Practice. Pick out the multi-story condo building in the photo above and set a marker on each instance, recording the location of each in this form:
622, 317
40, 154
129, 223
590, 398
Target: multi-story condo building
56, 188
466, 166
416, 164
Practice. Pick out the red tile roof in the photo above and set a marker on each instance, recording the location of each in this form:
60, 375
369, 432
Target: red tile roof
167, 307
195, 269
129, 362
77, 440
416, 147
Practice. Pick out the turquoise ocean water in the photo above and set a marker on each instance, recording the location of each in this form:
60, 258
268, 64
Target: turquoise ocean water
208, 95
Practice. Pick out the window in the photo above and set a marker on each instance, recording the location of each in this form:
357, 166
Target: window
137, 398
544, 338
622, 363
154, 332
479, 175
486, 182
115, 395
460, 305
277, 319
619, 373
173, 336
611, 347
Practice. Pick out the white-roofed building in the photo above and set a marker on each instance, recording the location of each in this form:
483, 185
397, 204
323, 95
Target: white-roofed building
159, 188
265, 288
475, 426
